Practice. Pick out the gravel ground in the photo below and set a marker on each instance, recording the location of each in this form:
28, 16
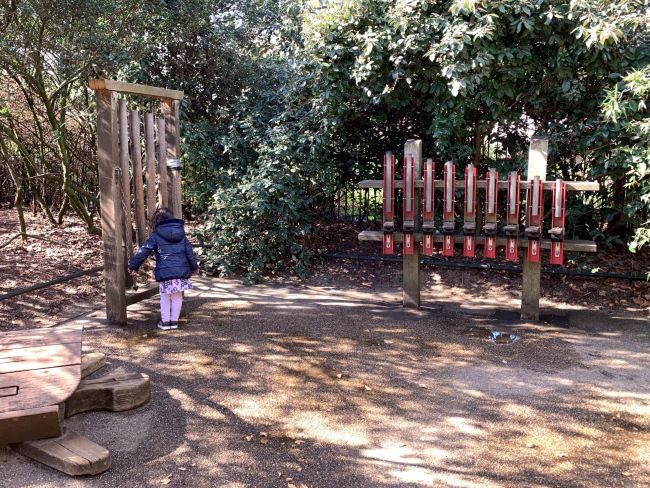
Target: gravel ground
296, 386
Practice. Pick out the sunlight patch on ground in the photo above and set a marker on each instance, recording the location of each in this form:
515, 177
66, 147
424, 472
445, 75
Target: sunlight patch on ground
465, 426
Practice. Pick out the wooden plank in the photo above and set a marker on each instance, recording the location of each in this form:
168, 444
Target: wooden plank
150, 152
571, 245
39, 387
62, 334
120, 272
115, 393
503, 185
126, 173
138, 187
162, 162
135, 89
411, 262
70, 453
107, 161
29, 424
532, 271
39, 357
142, 294
171, 111
92, 362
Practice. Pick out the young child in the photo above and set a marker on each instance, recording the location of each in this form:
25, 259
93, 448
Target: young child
175, 263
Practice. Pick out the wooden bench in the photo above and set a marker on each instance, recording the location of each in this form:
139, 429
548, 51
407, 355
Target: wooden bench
42, 382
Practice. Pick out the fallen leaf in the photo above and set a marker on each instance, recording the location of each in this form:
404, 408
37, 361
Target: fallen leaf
339, 376
298, 442
422, 386
182, 469
302, 485
264, 441
167, 480
193, 464
291, 485
530, 445
504, 361
367, 388
249, 438
299, 469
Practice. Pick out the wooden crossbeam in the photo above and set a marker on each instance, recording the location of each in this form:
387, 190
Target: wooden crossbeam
572, 245
503, 185
135, 89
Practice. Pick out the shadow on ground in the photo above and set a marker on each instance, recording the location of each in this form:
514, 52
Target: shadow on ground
273, 386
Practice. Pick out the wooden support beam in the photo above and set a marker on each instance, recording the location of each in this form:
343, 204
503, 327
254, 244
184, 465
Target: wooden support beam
135, 89
171, 111
32, 423
112, 219
576, 245
411, 262
532, 271
115, 393
503, 185
69, 453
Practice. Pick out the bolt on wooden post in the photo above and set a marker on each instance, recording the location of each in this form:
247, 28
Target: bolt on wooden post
411, 262
537, 162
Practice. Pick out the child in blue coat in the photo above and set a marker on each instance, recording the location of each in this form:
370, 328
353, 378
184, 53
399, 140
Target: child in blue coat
175, 263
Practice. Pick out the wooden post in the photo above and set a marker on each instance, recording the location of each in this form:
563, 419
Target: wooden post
126, 174
150, 153
162, 162
112, 221
537, 161
171, 111
411, 263
136, 157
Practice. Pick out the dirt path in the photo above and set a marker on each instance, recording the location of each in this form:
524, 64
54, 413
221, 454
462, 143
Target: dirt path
273, 386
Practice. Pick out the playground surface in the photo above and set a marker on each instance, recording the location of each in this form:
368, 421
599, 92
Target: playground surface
327, 386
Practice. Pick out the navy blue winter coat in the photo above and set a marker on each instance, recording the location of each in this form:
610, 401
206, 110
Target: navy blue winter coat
174, 255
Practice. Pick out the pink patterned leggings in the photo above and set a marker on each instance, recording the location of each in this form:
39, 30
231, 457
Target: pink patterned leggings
170, 306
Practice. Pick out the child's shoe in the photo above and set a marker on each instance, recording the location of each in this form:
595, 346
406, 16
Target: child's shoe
165, 325
173, 325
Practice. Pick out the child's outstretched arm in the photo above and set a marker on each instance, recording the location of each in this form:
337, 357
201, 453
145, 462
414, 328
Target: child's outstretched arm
143, 253
191, 258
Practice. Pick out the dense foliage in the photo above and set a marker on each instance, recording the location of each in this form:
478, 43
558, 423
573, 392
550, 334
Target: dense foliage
287, 101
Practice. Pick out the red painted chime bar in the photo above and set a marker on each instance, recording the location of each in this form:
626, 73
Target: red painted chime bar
490, 226
448, 224
428, 224
534, 222
389, 203
511, 229
469, 217
556, 232
408, 204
